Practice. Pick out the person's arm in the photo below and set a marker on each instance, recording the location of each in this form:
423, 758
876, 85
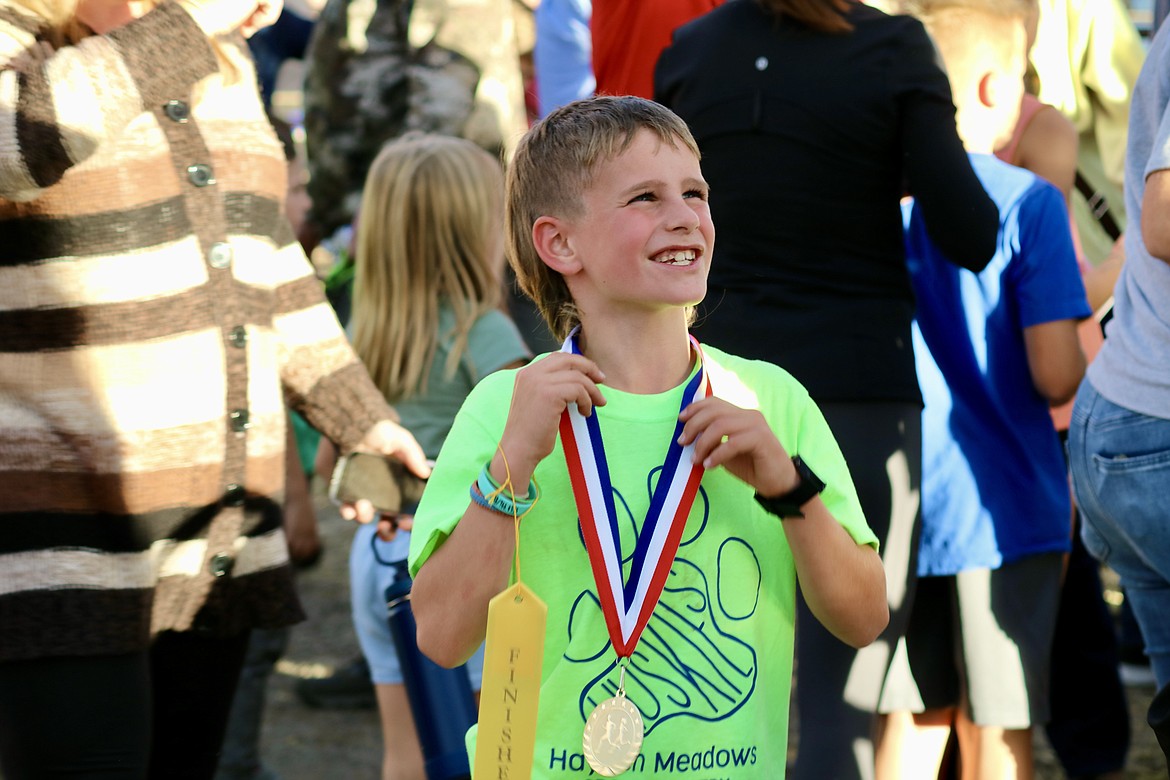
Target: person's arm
300, 518
60, 107
1050, 295
1100, 279
452, 588
563, 53
1055, 359
1048, 148
842, 581
1156, 215
960, 217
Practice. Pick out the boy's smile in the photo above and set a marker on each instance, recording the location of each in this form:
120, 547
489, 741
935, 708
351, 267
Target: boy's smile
644, 238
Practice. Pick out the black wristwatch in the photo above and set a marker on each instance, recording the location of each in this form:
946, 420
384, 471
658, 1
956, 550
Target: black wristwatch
789, 504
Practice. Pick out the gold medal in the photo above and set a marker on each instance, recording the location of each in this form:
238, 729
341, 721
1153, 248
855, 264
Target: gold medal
613, 733
613, 736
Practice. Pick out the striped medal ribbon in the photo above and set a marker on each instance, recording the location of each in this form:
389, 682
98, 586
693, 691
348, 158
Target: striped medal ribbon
613, 733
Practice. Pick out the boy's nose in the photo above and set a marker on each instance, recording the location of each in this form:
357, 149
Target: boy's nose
682, 216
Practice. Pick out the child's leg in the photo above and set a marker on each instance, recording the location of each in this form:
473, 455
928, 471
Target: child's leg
1007, 617
910, 746
992, 752
402, 758
922, 690
370, 573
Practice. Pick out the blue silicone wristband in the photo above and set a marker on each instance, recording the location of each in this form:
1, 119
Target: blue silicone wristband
488, 486
498, 502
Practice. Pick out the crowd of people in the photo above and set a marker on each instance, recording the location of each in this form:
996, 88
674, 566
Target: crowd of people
870, 456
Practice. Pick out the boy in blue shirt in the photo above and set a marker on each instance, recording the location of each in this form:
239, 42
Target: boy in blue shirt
994, 351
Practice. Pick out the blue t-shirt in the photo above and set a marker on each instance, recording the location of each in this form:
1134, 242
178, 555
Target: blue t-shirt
994, 484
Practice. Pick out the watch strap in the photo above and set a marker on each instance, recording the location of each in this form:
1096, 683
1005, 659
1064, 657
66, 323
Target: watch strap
789, 504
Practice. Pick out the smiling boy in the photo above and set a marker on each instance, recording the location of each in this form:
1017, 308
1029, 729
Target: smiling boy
610, 233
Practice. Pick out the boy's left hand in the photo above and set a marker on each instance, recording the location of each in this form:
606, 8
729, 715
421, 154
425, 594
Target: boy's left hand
741, 441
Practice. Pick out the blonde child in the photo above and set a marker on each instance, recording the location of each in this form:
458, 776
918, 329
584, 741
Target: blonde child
994, 351
427, 324
610, 233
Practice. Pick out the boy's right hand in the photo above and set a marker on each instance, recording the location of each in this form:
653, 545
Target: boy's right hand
542, 392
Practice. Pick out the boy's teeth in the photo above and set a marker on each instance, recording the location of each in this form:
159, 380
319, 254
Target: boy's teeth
682, 257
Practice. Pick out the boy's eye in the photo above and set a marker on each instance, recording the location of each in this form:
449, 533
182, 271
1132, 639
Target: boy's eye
643, 197
700, 194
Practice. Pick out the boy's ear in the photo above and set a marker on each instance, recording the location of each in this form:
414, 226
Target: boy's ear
988, 96
551, 238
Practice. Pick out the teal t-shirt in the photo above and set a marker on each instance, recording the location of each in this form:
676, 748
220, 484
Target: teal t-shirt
711, 675
492, 342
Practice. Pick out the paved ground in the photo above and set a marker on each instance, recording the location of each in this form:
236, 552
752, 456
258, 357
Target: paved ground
305, 744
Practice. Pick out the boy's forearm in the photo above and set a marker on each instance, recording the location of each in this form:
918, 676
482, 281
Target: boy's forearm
843, 582
450, 595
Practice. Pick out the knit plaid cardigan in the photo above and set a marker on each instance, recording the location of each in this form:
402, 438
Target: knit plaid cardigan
155, 315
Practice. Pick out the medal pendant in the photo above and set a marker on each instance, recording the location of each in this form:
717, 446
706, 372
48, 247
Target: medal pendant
613, 736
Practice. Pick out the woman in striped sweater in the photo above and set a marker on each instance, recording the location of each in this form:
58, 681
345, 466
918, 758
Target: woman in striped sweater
156, 314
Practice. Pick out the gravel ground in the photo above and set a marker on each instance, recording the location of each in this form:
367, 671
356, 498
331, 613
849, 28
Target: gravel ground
306, 744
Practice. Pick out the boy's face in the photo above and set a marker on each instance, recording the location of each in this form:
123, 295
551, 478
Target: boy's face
644, 239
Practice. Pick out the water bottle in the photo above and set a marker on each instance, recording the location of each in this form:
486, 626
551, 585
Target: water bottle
440, 699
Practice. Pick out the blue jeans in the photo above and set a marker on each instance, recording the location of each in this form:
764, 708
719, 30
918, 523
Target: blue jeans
1120, 463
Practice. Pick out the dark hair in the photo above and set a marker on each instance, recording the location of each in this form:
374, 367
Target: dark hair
827, 16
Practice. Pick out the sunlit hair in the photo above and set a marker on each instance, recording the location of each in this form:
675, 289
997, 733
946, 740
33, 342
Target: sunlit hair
429, 232
821, 15
554, 163
972, 33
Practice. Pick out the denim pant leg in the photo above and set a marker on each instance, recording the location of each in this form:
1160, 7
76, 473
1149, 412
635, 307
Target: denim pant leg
1120, 461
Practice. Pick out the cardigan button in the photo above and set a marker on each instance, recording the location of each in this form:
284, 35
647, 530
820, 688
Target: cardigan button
239, 418
220, 255
200, 175
177, 111
238, 336
221, 564
233, 494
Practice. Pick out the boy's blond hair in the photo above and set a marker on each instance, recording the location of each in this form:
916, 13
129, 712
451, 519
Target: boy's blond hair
971, 34
554, 163
428, 235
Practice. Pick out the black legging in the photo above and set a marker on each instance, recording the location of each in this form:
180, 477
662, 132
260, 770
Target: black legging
882, 444
92, 717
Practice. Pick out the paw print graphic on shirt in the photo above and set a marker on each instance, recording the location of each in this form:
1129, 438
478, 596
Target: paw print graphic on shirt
689, 661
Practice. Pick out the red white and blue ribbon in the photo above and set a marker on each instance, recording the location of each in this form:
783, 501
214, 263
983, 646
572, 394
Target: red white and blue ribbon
628, 604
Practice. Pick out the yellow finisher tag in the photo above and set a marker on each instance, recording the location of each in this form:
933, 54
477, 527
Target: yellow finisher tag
506, 740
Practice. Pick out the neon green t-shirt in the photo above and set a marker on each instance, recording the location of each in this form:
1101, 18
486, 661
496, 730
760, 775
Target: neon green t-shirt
711, 674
